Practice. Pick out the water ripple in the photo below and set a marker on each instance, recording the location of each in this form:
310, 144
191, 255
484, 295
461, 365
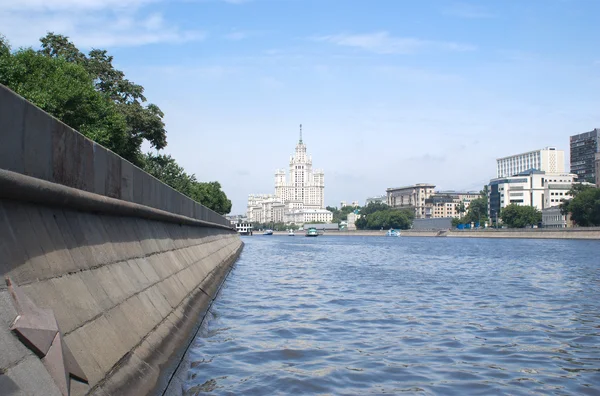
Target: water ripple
425, 316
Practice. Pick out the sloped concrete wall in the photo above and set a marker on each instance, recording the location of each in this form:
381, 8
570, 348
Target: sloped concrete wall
33, 143
128, 267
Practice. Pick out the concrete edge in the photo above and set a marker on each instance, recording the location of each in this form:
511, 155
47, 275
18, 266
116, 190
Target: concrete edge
150, 369
16, 186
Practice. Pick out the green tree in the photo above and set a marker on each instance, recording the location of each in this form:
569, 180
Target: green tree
386, 218
65, 90
90, 95
373, 207
460, 209
584, 207
166, 169
143, 122
516, 216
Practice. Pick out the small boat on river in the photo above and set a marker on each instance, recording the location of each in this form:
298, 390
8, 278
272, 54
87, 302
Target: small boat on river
291, 233
393, 233
268, 232
312, 232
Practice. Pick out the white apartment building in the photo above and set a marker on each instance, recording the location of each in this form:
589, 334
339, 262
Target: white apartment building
548, 159
533, 188
410, 197
299, 198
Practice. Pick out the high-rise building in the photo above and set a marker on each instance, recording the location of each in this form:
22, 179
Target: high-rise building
304, 185
583, 153
548, 159
297, 199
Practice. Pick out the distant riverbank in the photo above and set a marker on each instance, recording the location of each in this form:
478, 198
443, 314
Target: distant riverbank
528, 233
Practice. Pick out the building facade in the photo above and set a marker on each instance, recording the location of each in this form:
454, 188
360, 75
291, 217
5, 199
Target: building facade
444, 204
410, 197
302, 184
598, 170
351, 221
377, 199
533, 188
548, 159
583, 155
299, 196
553, 218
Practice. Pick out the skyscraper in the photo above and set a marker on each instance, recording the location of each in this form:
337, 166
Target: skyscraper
298, 199
304, 186
583, 153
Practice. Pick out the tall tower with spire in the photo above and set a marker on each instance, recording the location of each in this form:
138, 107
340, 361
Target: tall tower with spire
305, 188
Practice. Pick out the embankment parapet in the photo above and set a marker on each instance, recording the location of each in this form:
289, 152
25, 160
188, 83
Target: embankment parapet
127, 265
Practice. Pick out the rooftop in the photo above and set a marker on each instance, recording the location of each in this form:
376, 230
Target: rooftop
418, 185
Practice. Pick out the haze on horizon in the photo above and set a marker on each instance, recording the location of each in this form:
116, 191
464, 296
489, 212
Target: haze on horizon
389, 93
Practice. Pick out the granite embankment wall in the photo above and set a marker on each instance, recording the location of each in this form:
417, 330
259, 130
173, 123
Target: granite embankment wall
533, 233
536, 233
128, 265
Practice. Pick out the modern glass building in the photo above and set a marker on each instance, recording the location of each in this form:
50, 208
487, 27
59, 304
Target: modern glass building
583, 153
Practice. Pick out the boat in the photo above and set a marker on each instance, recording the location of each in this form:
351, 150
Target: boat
312, 232
268, 232
392, 233
291, 233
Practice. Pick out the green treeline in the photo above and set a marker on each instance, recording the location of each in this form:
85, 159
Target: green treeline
477, 212
87, 93
377, 216
584, 207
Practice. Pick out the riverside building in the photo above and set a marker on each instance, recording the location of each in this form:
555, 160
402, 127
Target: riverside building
410, 197
444, 204
532, 188
548, 159
598, 170
299, 196
584, 147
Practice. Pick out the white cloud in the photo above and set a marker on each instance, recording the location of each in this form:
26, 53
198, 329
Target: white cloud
69, 5
384, 43
468, 11
90, 23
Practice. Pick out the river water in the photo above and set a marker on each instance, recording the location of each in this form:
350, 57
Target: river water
369, 315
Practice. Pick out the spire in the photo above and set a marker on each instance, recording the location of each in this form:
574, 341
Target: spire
300, 134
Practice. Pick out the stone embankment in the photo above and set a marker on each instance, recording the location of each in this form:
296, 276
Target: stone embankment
536, 233
110, 270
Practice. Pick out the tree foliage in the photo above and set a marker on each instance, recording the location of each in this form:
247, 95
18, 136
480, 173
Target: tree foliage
373, 207
517, 216
64, 90
385, 218
477, 212
166, 169
584, 207
87, 93
340, 215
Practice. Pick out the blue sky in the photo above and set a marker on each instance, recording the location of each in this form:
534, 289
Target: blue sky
390, 92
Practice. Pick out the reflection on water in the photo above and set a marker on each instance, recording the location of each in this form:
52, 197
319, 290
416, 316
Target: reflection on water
353, 315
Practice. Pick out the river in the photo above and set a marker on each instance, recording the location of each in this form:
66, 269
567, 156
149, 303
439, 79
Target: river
368, 315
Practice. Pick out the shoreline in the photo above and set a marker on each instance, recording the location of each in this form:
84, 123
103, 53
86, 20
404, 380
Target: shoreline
592, 233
